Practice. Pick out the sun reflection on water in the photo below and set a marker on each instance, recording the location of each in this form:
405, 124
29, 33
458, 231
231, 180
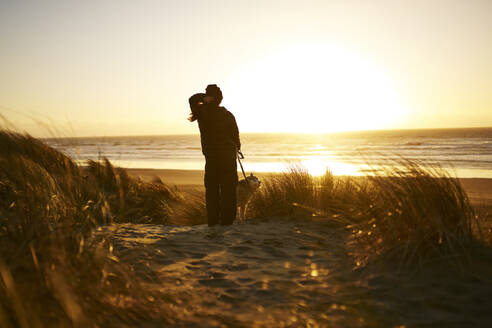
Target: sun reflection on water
317, 167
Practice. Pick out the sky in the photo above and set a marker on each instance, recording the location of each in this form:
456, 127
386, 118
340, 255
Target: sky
100, 68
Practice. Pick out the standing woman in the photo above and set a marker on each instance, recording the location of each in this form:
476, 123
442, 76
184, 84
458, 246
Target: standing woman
220, 143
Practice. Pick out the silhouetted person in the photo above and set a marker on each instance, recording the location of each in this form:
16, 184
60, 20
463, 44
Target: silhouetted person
220, 143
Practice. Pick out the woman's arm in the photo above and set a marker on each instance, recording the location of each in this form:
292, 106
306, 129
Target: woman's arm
235, 133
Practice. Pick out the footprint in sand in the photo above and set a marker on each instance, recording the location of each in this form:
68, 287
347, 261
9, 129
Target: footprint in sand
309, 282
193, 268
235, 267
218, 283
197, 255
275, 252
200, 263
216, 275
244, 280
240, 249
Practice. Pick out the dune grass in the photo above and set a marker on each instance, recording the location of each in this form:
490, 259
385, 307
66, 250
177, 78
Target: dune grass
417, 211
48, 207
129, 199
407, 212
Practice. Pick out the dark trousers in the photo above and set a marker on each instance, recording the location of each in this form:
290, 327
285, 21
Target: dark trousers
220, 188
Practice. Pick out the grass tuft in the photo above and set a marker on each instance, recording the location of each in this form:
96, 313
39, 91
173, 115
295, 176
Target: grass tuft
416, 211
408, 212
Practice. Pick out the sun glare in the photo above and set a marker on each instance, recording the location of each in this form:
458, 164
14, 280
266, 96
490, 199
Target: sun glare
313, 89
315, 166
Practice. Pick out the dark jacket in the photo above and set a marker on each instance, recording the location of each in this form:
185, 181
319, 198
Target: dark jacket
218, 129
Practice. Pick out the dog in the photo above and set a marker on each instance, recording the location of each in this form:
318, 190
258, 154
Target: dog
245, 190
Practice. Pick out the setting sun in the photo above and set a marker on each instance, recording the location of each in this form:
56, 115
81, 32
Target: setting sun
314, 89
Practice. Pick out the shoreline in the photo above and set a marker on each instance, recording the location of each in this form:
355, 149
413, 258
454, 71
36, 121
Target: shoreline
479, 190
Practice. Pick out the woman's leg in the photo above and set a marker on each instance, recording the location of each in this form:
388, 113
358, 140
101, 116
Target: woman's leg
228, 185
212, 191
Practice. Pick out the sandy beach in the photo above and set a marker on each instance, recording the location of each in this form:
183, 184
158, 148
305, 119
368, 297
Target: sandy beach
479, 190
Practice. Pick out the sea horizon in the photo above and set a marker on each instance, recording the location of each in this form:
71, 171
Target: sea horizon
466, 152
197, 133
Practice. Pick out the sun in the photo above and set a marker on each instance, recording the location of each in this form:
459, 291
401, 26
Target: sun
312, 89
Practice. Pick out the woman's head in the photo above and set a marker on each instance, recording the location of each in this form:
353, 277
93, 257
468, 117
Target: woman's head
195, 101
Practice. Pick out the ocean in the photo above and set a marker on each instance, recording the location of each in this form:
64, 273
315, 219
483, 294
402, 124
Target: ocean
466, 152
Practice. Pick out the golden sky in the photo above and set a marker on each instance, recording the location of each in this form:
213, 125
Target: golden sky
128, 67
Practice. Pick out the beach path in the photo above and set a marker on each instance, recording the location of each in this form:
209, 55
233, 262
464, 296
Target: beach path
276, 272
